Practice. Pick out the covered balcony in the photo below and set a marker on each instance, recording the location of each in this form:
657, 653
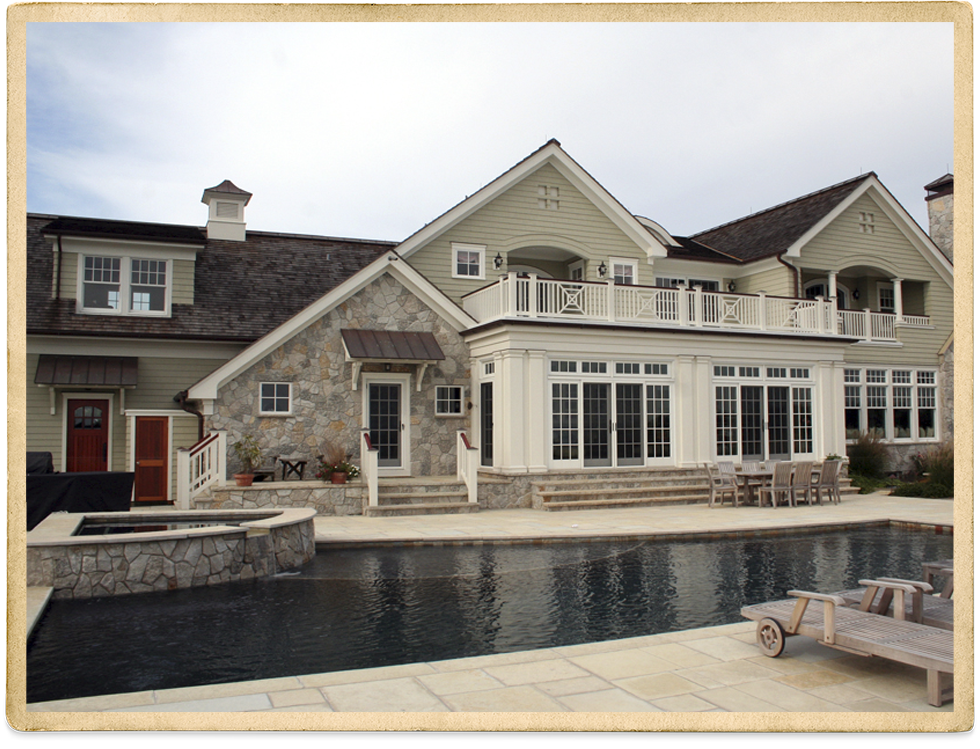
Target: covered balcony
520, 296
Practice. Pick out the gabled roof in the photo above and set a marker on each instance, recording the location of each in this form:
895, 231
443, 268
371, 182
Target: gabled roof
242, 290
775, 230
550, 153
388, 262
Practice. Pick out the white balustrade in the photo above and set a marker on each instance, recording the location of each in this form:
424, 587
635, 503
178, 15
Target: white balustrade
467, 460
534, 297
369, 467
200, 466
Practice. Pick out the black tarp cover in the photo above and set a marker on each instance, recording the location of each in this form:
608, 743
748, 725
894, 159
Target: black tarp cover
40, 463
96, 491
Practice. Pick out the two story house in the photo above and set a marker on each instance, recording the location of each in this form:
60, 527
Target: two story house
552, 328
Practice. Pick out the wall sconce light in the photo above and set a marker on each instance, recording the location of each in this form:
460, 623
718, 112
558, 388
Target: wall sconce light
387, 367
498, 262
731, 287
601, 270
856, 293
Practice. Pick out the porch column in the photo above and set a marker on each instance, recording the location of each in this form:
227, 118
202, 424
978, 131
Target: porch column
897, 286
701, 420
536, 410
685, 399
832, 286
511, 423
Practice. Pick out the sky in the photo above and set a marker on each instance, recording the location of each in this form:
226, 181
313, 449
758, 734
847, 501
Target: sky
373, 130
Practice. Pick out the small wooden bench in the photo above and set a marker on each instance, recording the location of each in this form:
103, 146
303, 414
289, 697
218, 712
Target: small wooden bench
833, 623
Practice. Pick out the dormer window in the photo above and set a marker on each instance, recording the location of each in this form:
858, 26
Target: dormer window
111, 285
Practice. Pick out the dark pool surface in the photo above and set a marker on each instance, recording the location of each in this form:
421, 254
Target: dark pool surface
366, 608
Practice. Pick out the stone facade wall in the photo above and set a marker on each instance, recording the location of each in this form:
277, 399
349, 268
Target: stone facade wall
325, 407
112, 568
326, 499
946, 393
941, 223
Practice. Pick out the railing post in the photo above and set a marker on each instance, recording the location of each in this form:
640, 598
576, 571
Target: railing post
683, 306
222, 469
466, 469
183, 479
369, 467
532, 295
821, 313
611, 300
867, 324
763, 311
698, 307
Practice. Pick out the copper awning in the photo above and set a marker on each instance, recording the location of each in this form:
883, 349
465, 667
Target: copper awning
392, 345
106, 371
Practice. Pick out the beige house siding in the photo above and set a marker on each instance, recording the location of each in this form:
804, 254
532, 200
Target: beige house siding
159, 381
775, 282
841, 246
577, 226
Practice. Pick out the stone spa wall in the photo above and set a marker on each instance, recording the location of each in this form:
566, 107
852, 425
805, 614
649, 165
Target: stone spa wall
119, 564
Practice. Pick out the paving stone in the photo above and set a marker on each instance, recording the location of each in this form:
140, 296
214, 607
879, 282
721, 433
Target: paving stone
455, 682
607, 701
657, 686
737, 701
536, 671
394, 695
623, 663
523, 699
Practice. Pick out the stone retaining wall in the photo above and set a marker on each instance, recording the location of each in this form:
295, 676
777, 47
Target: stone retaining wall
326, 499
120, 564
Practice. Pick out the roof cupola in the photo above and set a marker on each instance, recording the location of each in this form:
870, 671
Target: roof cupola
226, 211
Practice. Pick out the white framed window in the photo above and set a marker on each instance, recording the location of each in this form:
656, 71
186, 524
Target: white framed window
623, 271
576, 271
687, 283
275, 398
469, 261
449, 400
890, 404
560, 365
886, 298
121, 285
627, 368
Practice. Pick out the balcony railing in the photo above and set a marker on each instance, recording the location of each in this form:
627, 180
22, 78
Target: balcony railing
516, 296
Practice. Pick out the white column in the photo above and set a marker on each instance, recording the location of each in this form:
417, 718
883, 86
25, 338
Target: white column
684, 406
702, 421
897, 286
832, 286
536, 393
510, 424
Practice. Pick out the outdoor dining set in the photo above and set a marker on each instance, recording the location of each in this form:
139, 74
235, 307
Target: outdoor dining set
773, 482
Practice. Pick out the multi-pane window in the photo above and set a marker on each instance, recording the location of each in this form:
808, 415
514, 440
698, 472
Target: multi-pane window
624, 273
274, 397
724, 371
658, 421
488, 368
123, 285
564, 420
778, 373
886, 298
748, 371
564, 366
890, 404
627, 367
799, 374
468, 261
802, 420
655, 369
449, 400
726, 419
594, 367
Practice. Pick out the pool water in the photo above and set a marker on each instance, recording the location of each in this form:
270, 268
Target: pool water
351, 609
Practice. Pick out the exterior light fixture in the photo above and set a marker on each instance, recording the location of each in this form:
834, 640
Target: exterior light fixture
601, 270
731, 287
856, 293
498, 262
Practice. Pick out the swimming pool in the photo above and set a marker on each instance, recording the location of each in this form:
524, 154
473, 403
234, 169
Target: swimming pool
363, 608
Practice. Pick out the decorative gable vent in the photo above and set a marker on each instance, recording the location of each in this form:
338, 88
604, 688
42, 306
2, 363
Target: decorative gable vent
226, 214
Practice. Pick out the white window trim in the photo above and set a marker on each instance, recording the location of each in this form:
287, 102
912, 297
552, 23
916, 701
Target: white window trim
458, 247
577, 265
633, 264
287, 412
843, 292
885, 286
461, 398
685, 282
125, 283
889, 385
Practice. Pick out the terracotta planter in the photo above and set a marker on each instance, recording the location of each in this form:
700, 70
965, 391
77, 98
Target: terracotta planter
244, 479
338, 478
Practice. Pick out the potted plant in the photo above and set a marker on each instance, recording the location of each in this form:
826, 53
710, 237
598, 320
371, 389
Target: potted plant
250, 456
335, 465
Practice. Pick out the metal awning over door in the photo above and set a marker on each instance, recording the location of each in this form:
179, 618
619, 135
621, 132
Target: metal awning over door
391, 347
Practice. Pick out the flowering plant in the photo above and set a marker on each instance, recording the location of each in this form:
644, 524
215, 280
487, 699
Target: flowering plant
335, 460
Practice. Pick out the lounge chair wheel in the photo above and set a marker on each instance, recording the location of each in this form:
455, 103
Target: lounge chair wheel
771, 638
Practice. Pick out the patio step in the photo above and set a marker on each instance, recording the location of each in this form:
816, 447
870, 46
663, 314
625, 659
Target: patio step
602, 488
435, 495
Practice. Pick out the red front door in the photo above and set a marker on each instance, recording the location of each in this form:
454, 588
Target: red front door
88, 435
152, 451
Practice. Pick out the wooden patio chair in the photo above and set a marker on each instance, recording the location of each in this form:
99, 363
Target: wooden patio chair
751, 465
781, 485
828, 481
833, 623
904, 599
719, 485
939, 568
770, 465
803, 480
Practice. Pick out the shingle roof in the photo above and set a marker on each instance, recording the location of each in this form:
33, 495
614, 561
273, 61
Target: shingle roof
691, 250
242, 290
774, 230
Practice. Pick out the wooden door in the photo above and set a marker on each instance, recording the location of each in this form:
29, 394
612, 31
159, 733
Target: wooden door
88, 435
152, 459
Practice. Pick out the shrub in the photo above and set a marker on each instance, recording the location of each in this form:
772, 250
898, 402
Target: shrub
868, 457
936, 464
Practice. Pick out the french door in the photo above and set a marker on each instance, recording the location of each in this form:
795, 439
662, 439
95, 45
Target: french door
612, 427
387, 416
486, 423
765, 422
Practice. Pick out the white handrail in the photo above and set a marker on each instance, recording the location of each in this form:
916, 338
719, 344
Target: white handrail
200, 466
467, 457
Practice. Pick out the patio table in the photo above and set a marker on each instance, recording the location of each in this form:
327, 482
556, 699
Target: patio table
746, 479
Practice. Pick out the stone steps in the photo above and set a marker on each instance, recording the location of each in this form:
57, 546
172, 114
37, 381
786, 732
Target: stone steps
434, 495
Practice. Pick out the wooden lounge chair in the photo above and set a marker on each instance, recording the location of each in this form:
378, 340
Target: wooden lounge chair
781, 485
719, 485
939, 568
912, 597
836, 625
828, 481
803, 480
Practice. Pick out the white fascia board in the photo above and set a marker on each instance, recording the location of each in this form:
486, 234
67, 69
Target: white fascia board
662, 234
550, 154
164, 348
898, 215
388, 262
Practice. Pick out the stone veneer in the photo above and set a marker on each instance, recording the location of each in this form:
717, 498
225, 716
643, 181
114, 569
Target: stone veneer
941, 223
120, 564
324, 405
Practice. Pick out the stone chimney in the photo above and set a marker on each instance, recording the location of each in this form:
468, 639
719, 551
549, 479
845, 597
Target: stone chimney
226, 211
939, 197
